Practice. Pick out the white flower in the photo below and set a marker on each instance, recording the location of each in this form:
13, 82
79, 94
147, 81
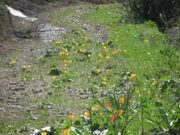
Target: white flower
35, 132
46, 129
97, 132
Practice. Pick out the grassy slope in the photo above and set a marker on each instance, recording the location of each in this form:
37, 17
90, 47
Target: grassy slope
142, 49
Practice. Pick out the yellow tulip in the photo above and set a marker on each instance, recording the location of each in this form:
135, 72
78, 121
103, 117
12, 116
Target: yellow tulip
66, 131
98, 71
86, 114
120, 112
121, 100
71, 117
43, 133
133, 76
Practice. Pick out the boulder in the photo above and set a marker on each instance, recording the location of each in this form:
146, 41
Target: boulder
5, 23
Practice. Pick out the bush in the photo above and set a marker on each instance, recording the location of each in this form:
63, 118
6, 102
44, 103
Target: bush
164, 12
54, 71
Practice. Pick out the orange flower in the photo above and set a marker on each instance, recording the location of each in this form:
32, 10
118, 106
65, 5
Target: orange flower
113, 118
95, 108
110, 106
121, 100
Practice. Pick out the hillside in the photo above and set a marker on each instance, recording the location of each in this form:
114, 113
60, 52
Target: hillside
84, 68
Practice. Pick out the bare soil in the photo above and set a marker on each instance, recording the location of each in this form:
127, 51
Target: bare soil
18, 95
23, 46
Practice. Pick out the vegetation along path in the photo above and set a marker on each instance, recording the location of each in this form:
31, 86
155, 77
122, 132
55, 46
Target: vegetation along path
74, 55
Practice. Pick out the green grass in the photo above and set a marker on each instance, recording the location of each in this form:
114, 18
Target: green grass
104, 14
144, 50
84, 64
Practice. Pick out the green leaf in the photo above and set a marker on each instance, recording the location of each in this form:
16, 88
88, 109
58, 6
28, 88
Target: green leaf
103, 106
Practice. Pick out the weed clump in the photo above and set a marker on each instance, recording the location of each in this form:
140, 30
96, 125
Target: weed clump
54, 71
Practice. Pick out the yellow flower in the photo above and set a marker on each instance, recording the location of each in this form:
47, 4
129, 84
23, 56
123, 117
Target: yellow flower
66, 50
71, 117
54, 78
100, 60
154, 82
65, 65
133, 76
67, 62
65, 72
121, 100
95, 108
86, 114
89, 76
120, 112
13, 62
28, 66
66, 131
104, 79
89, 55
98, 71
58, 42
125, 50
104, 48
81, 50
108, 71
86, 39
43, 133
146, 41
104, 83
66, 53
70, 62
101, 114
62, 53
107, 57
100, 55
138, 93
115, 52
103, 43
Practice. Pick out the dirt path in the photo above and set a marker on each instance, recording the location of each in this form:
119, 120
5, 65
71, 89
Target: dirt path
18, 94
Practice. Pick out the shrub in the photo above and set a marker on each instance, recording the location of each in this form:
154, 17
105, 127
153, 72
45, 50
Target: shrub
164, 12
54, 71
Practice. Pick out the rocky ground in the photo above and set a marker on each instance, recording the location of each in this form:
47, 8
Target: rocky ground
30, 41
